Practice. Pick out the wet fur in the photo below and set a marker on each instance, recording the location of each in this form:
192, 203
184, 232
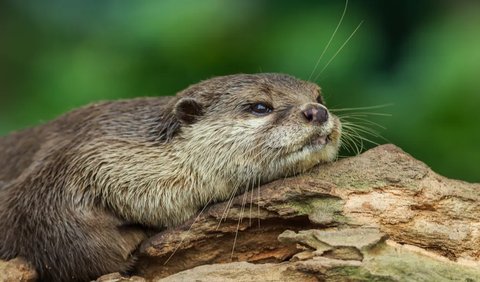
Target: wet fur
77, 194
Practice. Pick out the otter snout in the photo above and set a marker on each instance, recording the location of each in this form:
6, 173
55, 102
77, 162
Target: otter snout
315, 113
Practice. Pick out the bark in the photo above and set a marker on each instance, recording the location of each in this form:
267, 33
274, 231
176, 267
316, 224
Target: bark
381, 215
17, 270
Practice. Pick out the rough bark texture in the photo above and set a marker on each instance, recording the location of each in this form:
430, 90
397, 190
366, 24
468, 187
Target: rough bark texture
379, 216
17, 270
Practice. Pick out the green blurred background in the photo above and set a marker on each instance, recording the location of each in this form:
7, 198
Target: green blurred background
421, 56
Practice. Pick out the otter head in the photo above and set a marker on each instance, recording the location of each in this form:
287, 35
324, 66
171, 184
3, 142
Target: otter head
248, 129
213, 140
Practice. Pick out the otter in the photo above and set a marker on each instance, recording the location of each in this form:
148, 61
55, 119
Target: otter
78, 194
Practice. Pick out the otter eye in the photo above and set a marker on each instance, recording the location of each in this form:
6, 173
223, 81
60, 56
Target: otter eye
260, 109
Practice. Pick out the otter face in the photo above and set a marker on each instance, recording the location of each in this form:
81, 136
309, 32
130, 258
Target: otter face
265, 125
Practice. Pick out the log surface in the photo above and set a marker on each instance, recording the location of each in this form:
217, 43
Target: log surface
381, 215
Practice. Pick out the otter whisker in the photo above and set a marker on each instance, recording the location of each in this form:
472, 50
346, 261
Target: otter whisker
356, 125
364, 129
340, 49
227, 206
361, 138
353, 135
258, 203
251, 204
244, 200
240, 218
360, 108
365, 114
279, 152
365, 121
368, 140
330, 40
350, 140
232, 194
251, 198
188, 231
348, 143
361, 122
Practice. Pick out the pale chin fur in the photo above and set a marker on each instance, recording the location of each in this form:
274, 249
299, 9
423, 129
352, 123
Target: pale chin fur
302, 156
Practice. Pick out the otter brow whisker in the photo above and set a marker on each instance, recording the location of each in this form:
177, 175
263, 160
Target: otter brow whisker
330, 40
340, 49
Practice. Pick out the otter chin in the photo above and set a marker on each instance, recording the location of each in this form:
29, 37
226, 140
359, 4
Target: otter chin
78, 193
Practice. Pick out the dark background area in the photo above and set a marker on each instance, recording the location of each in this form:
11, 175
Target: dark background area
421, 56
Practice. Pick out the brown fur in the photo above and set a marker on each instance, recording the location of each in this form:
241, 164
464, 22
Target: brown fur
77, 193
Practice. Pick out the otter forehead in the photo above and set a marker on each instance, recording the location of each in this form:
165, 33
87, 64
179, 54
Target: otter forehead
268, 87
277, 88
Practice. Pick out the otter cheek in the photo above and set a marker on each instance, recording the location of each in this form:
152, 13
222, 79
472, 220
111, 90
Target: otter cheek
256, 123
286, 137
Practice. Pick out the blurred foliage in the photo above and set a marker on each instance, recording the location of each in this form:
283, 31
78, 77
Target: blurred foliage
421, 56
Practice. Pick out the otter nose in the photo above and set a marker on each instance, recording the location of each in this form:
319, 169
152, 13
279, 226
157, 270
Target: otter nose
316, 113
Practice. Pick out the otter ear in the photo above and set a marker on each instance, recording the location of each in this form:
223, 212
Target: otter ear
187, 110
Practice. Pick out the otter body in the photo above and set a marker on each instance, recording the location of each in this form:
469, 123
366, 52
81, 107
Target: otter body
77, 194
